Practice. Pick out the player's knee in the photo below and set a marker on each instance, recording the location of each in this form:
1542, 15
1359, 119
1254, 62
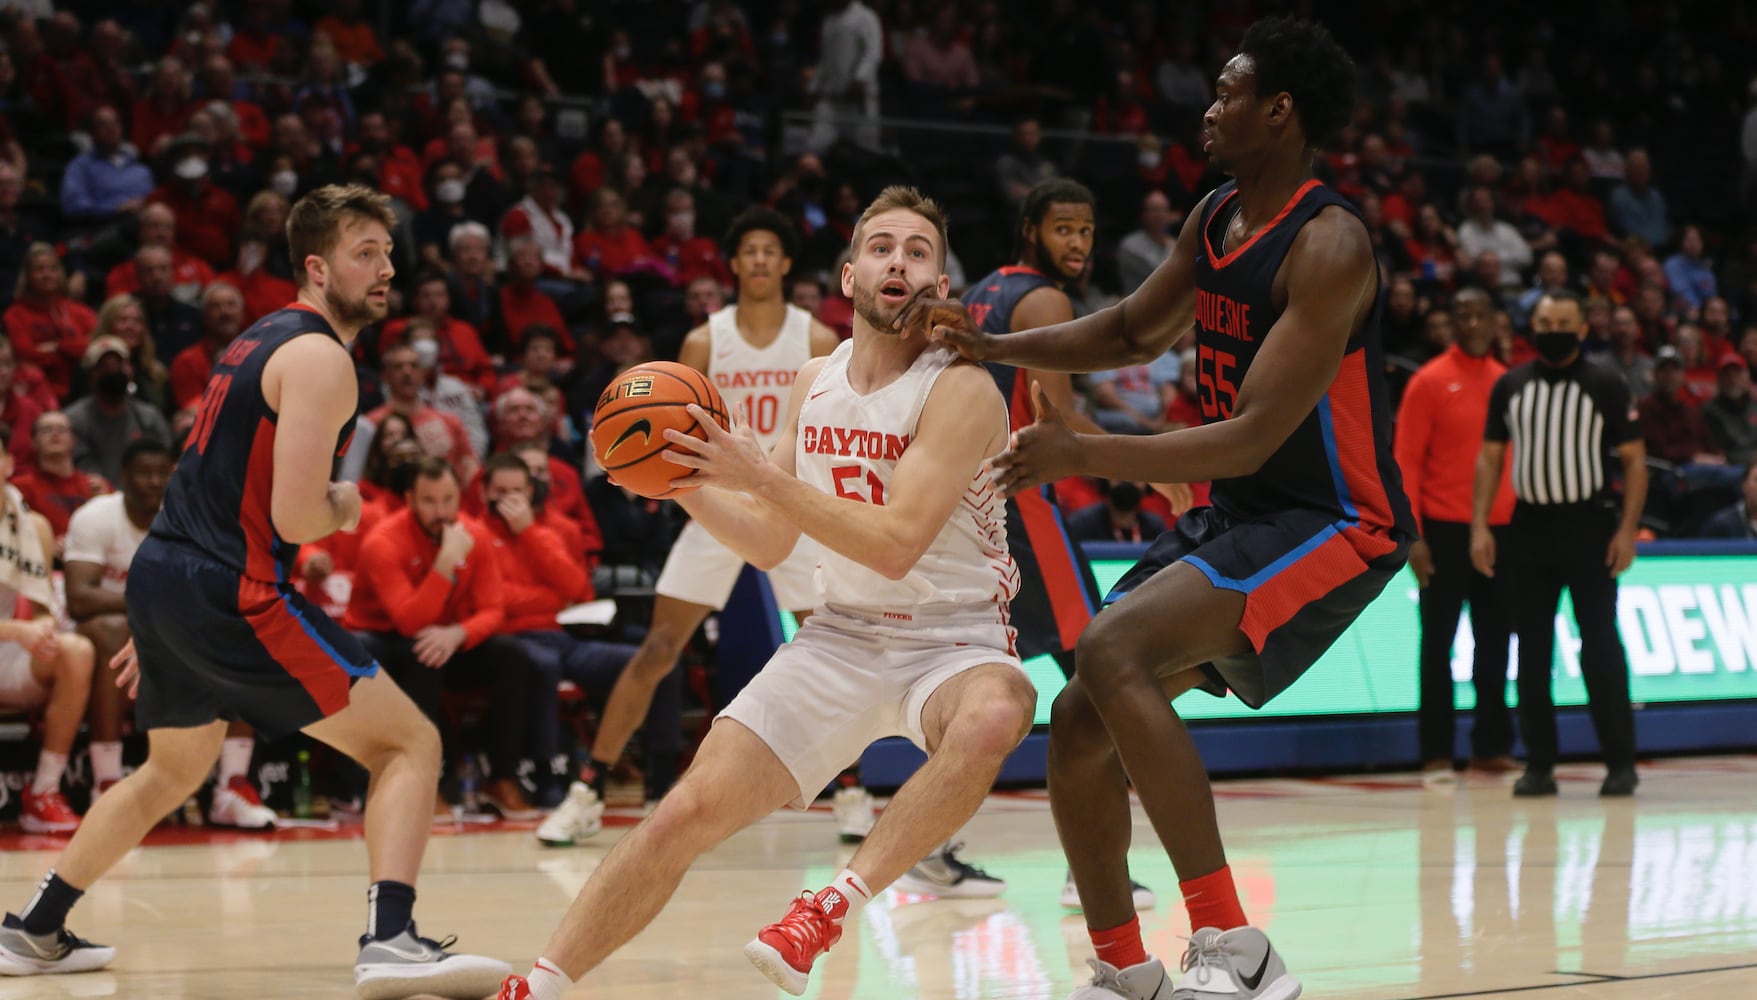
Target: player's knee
1073, 717
76, 655
421, 744
683, 819
996, 720
109, 631
1105, 656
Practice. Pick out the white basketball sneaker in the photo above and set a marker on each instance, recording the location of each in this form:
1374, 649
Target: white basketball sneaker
1146, 981
1239, 964
236, 804
947, 876
855, 814
410, 965
579, 816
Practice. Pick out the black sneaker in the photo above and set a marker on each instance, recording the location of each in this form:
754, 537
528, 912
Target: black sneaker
410, 965
1619, 783
1535, 784
943, 874
25, 954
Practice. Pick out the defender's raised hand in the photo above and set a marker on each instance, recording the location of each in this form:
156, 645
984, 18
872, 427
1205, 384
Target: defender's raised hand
1044, 452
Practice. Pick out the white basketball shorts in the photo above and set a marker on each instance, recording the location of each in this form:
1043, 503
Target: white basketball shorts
18, 689
848, 679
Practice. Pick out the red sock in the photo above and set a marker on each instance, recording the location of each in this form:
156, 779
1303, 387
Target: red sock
1212, 901
1120, 946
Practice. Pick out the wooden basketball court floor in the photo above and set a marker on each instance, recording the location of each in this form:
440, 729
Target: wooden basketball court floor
1373, 889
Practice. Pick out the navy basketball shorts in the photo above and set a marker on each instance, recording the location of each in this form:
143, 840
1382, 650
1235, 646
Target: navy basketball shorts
214, 644
1306, 577
1055, 599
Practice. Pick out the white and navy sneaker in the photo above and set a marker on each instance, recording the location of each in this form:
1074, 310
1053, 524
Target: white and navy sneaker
1144, 898
409, 965
943, 874
25, 954
579, 816
1239, 964
854, 813
1146, 981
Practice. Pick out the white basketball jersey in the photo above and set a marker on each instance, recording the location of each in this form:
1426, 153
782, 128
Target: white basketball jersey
756, 381
849, 445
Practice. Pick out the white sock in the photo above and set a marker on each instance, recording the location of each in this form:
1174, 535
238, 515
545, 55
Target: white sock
235, 757
50, 766
854, 889
106, 761
547, 981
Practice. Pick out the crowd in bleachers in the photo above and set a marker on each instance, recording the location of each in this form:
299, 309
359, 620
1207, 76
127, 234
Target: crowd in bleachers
562, 171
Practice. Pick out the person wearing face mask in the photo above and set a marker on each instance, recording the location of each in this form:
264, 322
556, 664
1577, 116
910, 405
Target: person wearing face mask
207, 214
108, 419
1147, 247
446, 188
688, 255
1118, 519
1563, 418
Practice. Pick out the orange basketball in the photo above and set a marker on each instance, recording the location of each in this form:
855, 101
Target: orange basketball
629, 424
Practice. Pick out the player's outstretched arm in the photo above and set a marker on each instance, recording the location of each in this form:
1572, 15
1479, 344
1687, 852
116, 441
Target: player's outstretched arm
1331, 281
1135, 331
309, 382
887, 527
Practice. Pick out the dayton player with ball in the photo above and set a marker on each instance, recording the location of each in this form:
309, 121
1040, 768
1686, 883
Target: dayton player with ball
911, 638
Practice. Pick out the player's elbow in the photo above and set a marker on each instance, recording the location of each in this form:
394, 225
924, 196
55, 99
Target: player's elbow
898, 560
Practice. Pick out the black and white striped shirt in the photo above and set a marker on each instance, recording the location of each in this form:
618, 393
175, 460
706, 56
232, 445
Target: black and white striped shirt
1564, 424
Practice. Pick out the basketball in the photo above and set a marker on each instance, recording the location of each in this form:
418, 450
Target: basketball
632, 416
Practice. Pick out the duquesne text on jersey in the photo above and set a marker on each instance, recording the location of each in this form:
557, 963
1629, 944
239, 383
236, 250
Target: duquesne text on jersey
852, 442
1218, 314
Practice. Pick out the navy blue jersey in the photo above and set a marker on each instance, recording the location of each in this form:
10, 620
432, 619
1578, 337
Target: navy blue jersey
990, 303
1339, 458
218, 499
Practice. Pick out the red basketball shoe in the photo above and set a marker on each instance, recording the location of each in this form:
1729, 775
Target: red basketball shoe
514, 988
784, 951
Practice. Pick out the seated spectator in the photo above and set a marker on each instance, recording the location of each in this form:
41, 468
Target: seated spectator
440, 434
1132, 400
1603, 278
623, 347
172, 323
389, 468
473, 288
1481, 232
1701, 370
444, 392
1142, 251
541, 371
686, 255
1688, 272
399, 169
1626, 356
523, 305
542, 572
222, 319
938, 62
431, 615
541, 217
1119, 518
523, 420
1671, 419
263, 292
47, 327
1433, 251
107, 180
156, 226
445, 209
1023, 166
355, 40
1602, 155
611, 247
105, 422
1552, 275
1574, 210
207, 214
1738, 521
24, 396
220, 83
638, 534
460, 347
41, 667
53, 486
1731, 414
1716, 323
19, 228
1637, 208
123, 318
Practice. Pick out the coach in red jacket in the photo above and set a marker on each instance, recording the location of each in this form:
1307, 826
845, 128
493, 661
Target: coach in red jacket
429, 603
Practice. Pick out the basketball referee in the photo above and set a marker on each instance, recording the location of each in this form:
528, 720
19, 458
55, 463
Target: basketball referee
1563, 417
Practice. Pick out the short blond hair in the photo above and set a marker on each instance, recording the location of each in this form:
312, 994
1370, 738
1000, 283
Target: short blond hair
314, 223
908, 199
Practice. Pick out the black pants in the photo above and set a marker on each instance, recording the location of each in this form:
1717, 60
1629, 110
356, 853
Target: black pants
1551, 548
500, 664
1454, 582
